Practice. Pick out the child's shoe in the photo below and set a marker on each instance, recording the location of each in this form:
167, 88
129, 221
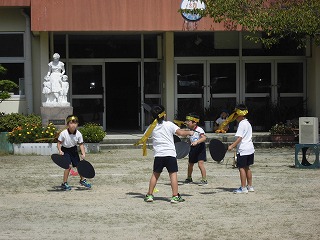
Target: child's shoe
177, 199
188, 180
203, 183
85, 183
250, 189
148, 198
65, 186
241, 190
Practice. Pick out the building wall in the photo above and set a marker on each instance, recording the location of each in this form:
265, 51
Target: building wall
11, 20
111, 15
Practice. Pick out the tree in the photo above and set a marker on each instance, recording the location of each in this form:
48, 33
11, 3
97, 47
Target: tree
279, 19
5, 86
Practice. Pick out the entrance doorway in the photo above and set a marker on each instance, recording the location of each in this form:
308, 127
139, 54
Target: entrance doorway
205, 87
122, 95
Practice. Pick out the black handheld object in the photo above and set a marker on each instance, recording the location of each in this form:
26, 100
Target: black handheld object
176, 139
217, 150
60, 161
85, 169
182, 149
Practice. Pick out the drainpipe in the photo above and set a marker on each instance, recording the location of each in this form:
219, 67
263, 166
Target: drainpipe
28, 64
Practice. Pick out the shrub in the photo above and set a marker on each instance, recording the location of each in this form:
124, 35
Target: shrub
30, 133
281, 129
92, 133
9, 121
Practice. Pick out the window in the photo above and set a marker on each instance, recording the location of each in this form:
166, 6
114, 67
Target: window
15, 73
11, 45
104, 46
206, 44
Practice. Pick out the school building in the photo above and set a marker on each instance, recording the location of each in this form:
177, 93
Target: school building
123, 54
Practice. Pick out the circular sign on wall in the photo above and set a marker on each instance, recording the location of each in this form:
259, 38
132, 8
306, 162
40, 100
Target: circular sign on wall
191, 5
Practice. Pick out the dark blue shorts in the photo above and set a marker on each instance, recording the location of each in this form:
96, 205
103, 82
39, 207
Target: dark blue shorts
168, 162
197, 153
245, 160
71, 155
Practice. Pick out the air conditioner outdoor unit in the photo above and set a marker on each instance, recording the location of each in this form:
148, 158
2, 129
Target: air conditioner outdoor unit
308, 130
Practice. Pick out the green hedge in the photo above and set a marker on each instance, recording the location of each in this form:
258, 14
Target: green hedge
10, 121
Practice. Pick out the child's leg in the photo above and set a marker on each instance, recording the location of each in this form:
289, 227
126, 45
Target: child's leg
248, 176
202, 169
153, 181
174, 183
243, 177
66, 175
190, 169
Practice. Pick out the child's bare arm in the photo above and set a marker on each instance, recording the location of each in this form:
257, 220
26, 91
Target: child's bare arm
184, 133
231, 146
83, 152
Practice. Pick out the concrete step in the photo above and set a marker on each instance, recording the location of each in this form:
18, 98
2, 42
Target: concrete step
126, 140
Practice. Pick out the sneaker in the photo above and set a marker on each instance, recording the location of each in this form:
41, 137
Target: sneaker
250, 189
148, 198
85, 183
188, 180
241, 190
177, 199
65, 186
203, 182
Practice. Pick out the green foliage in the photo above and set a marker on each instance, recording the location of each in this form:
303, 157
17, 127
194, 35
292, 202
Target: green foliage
281, 129
10, 121
6, 86
32, 132
295, 19
92, 133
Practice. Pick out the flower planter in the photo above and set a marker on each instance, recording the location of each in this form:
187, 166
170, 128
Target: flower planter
45, 149
5, 146
92, 147
282, 138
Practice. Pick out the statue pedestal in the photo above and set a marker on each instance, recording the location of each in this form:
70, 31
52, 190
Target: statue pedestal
55, 115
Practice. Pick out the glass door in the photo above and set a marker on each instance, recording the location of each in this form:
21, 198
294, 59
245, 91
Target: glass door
150, 90
257, 88
224, 79
192, 92
206, 88
87, 90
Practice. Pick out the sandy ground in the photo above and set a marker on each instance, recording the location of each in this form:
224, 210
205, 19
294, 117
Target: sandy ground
285, 205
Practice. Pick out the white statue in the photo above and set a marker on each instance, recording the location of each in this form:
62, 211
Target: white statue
64, 91
55, 88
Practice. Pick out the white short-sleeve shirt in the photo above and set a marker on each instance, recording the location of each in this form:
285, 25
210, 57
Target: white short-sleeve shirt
162, 139
70, 140
198, 131
245, 147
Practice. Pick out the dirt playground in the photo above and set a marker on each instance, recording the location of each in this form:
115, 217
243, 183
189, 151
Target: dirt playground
285, 204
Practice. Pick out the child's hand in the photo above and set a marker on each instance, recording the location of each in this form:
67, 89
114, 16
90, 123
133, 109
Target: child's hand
194, 143
61, 153
83, 156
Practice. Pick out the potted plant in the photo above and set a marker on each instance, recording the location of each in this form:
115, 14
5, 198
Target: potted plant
92, 134
281, 132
